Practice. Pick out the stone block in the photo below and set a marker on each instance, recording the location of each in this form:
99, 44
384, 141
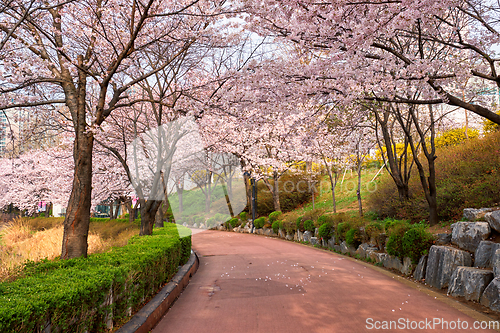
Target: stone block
419, 273
307, 236
441, 264
484, 254
469, 282
491, 295
392, 262
314, 241
493, 218
468, 235
475, 214
408, 266
443, 239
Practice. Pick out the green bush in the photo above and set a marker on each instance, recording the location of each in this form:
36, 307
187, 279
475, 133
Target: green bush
232, 223
353, 237
341, 230
68, 293
325, 231
324, 219
243, 224
290, 227
396, 230
243, 216
299, 224
416, 242
274, 216
277, 225
259, 223
309, 225
373, 229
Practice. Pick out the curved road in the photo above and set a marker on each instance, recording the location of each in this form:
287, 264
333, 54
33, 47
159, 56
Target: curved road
250, 283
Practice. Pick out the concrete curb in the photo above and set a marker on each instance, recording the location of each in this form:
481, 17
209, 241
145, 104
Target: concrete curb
147, 317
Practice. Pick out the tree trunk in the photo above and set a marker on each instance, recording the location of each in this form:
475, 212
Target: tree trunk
358, 191
276, 193
148, 213
132, 211
180, 192
77, 219
159, 218
226, 194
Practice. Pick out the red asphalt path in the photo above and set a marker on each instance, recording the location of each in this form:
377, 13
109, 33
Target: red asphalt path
250, 283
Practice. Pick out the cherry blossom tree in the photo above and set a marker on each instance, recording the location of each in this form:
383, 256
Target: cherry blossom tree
83, 54
379, 50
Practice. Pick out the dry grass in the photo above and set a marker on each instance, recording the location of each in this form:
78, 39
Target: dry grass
35, 239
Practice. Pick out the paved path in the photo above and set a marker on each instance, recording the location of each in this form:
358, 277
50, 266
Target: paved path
250, 283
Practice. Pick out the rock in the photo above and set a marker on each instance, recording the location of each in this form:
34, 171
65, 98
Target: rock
484, 254
495, 262
289, 237
364, 248
314, 241
316, 232
468, 235
392, 262
281, 233
407, 267
473, 214
300, 236
419, 273
493, 219
343, 247
324, 242
331, 242
307, 236
337, 248
377, 256
443, 239
469, 282
491, 295
441, 264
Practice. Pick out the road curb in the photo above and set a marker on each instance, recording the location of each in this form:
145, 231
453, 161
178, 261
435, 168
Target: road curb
147, 317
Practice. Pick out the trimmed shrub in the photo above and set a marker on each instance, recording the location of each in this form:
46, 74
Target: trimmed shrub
68, 293
416, 242
324, 219
341, 230
299, 224
325, 231
396, 230
309, 225
232, 223
274, 216
277, 225
353, 237
259, 223
243, 216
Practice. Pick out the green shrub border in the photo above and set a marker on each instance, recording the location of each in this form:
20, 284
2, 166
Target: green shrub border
73, 295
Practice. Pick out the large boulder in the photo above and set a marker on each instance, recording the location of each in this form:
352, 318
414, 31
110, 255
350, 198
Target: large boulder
491, 295
469, 282
495, 262
331, 242
443, 239
314, 241
493, 218
468, 235
307, 236
441, 264
419, 273
363, 249
377, 256
484, 254
407, 267
392, 262
300, 236
474, 214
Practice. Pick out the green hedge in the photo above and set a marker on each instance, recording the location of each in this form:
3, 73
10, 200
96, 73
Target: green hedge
71, 294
